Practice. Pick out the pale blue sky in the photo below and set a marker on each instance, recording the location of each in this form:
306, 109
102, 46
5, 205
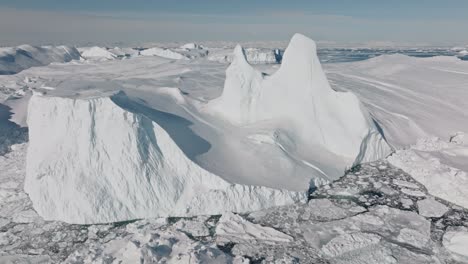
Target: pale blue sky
137, 21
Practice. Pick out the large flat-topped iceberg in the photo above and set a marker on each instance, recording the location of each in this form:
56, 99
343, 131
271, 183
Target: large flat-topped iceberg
91, 161
156, 149
328, 129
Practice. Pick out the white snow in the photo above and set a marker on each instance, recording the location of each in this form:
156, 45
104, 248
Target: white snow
98, 53
328, 130
411, 98
16, 59
418, 102
101, 163
165, 53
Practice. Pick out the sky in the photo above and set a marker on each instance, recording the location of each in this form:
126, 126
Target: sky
139, 21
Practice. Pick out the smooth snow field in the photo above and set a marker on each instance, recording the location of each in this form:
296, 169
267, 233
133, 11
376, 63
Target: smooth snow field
198, 154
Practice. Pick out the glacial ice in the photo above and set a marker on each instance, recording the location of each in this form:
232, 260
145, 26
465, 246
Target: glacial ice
100, 163
116, 158
330, 129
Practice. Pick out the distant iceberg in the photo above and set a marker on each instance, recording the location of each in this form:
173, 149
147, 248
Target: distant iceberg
16, 59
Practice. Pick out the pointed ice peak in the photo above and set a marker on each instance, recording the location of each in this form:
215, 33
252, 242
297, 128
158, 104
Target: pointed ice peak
239, 54
299, 39
300, 50
239, 61
324, 125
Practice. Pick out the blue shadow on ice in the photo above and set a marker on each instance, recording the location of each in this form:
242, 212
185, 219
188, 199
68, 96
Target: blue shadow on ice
177, 127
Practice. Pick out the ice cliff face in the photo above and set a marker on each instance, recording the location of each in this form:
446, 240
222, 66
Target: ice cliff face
329, 129
91, 161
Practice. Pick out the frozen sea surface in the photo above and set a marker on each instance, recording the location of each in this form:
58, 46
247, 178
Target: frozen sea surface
371, 215
337, 55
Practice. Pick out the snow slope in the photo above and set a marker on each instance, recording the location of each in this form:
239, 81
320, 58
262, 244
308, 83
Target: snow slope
16, 59
411, 98
421, 105
330, 130
98, 53
101, 163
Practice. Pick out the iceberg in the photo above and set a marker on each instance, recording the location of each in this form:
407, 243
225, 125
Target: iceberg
91, 161
253, 55
105, 156
98, 53
16, 59
191, 46
330, 130
164, 53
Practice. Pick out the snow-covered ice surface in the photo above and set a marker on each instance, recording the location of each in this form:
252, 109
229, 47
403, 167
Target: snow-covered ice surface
421, 106
411, 98
376, 213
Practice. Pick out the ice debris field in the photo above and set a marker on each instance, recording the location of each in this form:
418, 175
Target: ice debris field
196, 154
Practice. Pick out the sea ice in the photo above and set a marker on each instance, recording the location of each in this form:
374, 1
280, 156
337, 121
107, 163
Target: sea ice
431, 208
